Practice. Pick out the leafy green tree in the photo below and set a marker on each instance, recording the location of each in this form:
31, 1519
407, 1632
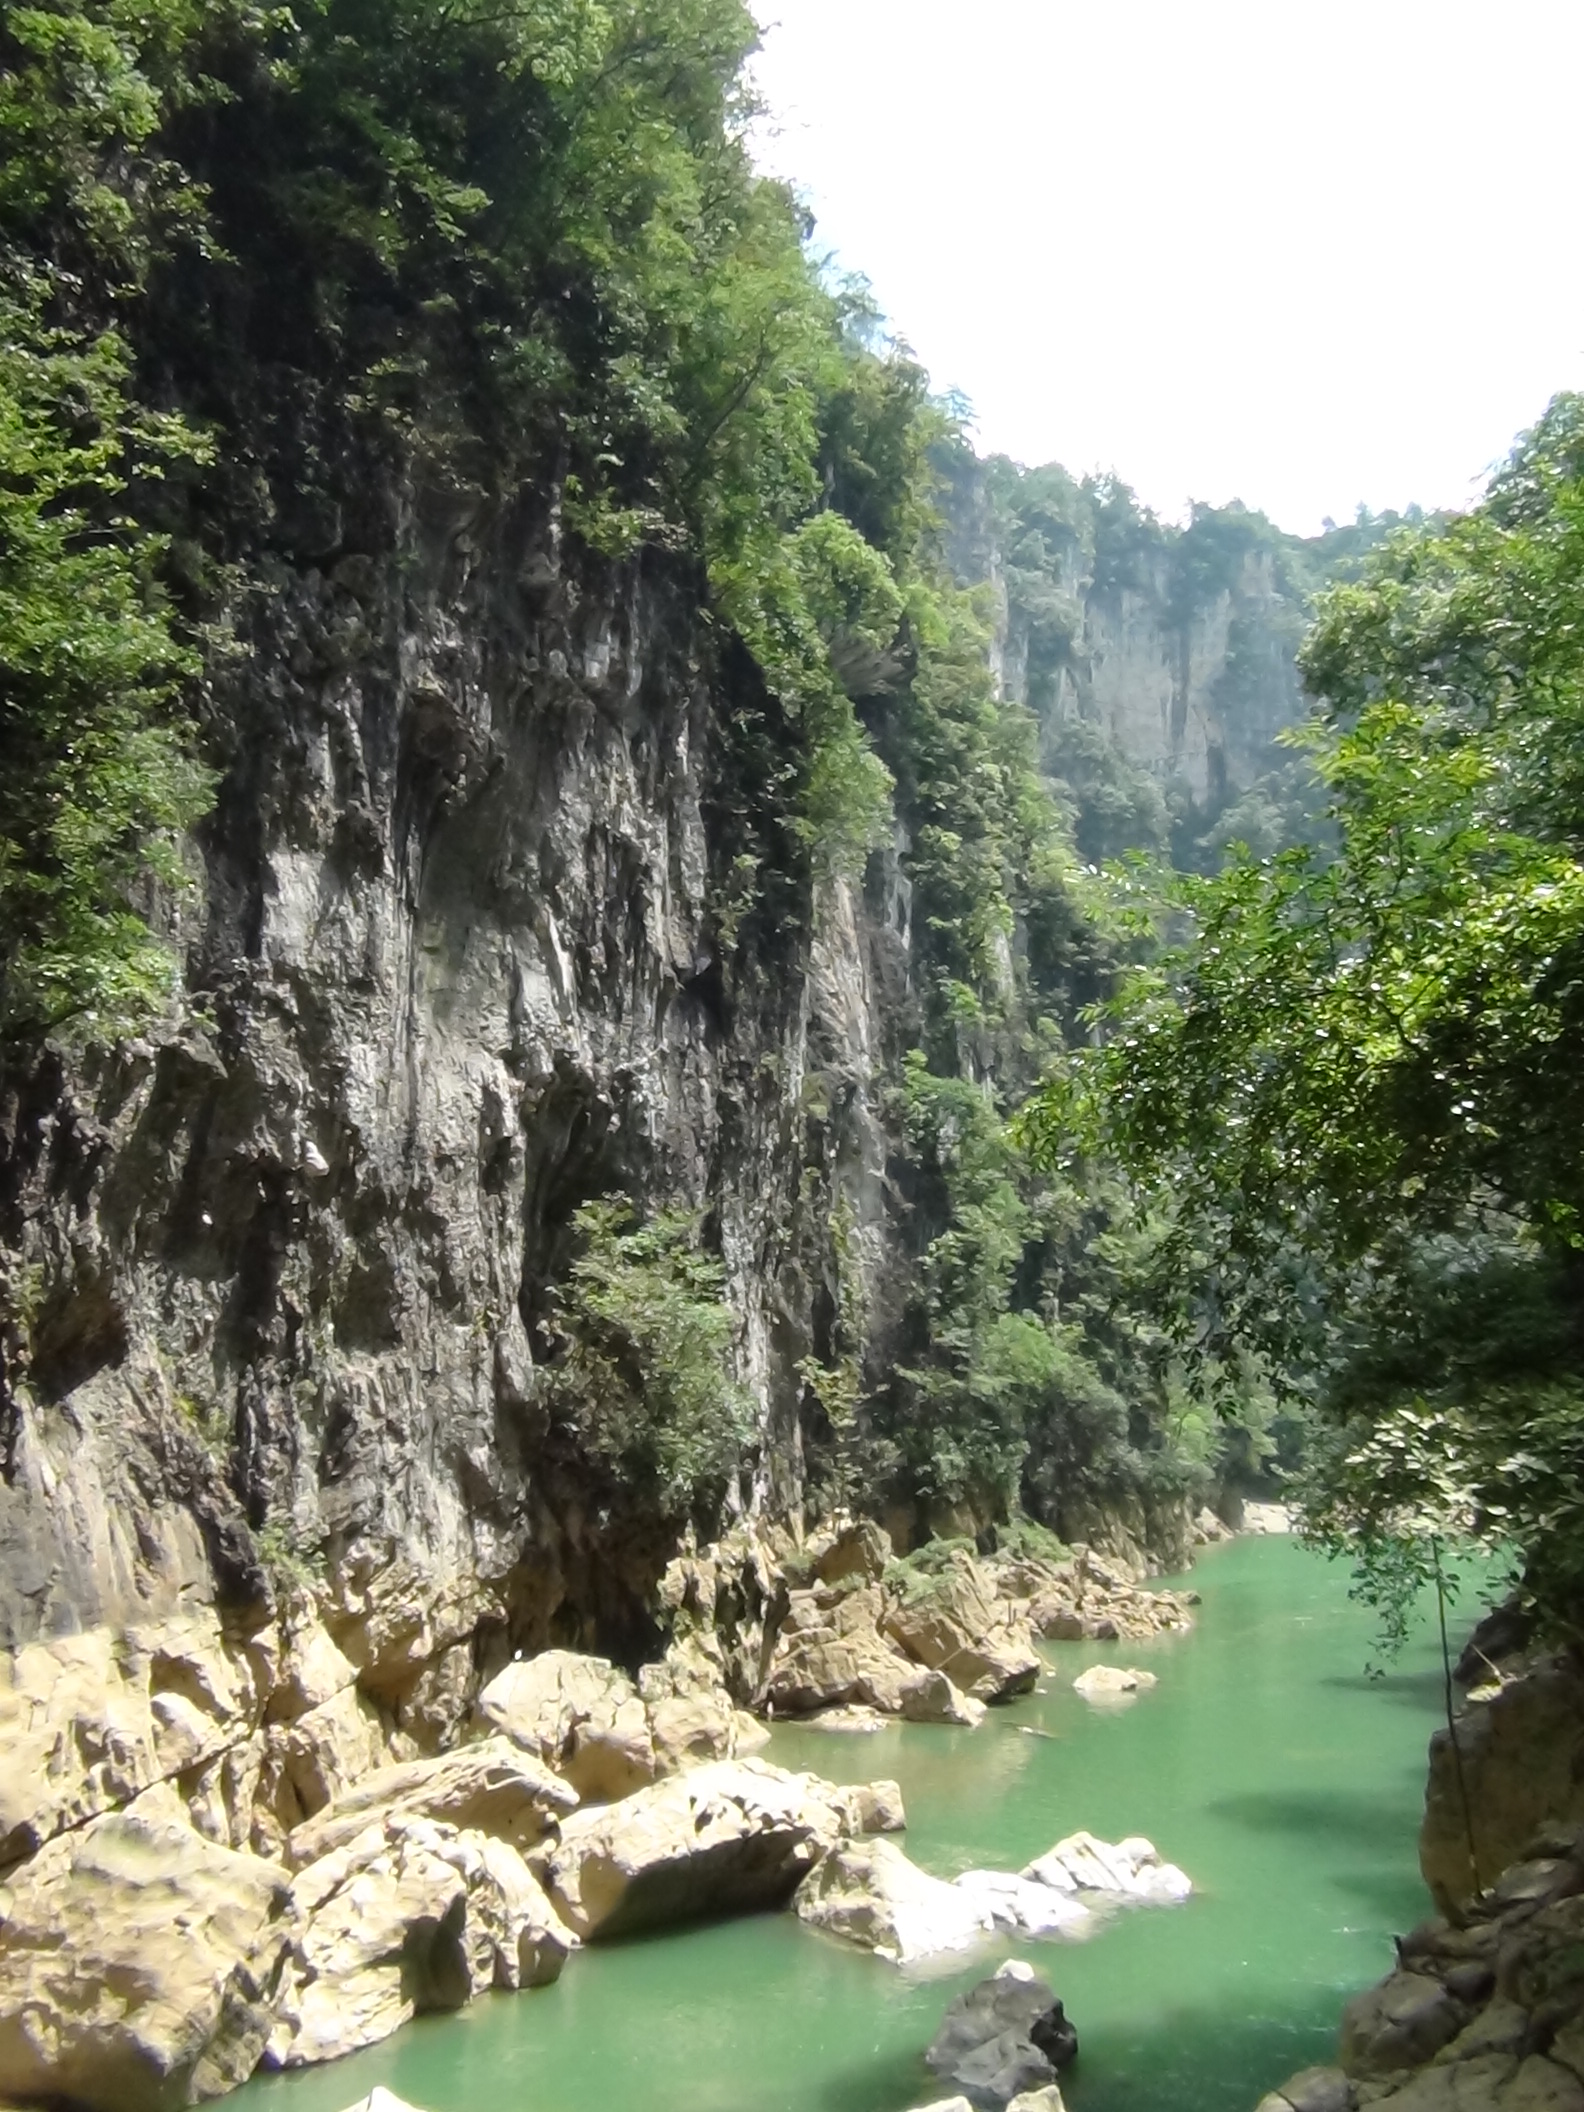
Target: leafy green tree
646, 1369
1359, 1079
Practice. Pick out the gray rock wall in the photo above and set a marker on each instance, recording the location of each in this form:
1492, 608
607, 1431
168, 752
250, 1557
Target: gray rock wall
451, 970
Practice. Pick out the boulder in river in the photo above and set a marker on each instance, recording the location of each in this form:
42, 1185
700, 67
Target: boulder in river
952, 1621
869, 1893
139, 1966
1004, 2038
725, 1839
409, 1916
382, 2100
1109, 1683
1123, 1870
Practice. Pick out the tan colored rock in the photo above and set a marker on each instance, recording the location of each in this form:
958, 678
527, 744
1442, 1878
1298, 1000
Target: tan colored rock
494, 1788
581, 1716
819, 1669
862, 1549
953, 1622
312, 1671
89, 1720
139, 1964
408, 1916
688, 1730
724, 1839
1522, 1754
436, 1708
330, 1747
931, 1698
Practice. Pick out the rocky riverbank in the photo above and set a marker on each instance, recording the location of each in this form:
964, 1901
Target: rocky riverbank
227, 1850
1484, 2011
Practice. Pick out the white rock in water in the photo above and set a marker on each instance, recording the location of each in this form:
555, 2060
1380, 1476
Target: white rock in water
1130, 1869
868, 1892
1024, 1906
1111, 1682
382, 2100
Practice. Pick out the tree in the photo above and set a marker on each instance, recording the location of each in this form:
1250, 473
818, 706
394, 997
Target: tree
1359, 1076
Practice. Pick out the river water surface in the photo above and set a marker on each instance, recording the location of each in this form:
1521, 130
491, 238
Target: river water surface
1284, 1781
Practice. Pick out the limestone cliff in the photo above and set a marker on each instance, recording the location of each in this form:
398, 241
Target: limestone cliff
455, 967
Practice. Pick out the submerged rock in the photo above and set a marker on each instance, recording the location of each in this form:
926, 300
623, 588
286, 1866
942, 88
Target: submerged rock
139, 1967
1004, 2039
725, 1839
870, 1894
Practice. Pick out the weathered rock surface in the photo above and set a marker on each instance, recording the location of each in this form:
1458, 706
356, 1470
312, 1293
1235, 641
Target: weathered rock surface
89, 1720
1521, 1750
139, 1966
580, 1716
408, 1916
870, 1894
1008, 2037
492, 1788
1087, 1598
953, 1622
723, 1839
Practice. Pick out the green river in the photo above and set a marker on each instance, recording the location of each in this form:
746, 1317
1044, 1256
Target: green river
1284, 1781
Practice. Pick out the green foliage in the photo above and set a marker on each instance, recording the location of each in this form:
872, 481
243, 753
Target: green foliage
1359, 1079
646, 1373
98, 777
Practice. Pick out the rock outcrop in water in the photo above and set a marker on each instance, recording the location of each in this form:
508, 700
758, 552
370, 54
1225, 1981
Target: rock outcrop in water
1485, 2014
1004, 2039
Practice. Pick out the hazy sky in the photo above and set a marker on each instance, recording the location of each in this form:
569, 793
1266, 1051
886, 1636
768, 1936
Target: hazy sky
1299, 254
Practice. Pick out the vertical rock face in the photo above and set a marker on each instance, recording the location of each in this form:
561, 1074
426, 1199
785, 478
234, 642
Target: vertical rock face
453, 968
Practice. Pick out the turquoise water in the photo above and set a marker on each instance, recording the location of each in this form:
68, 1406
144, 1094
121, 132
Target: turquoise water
1284, 1781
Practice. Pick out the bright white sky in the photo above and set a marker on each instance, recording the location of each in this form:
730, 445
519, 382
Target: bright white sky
1298, 252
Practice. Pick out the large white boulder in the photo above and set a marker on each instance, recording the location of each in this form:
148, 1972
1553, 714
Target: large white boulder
139, 1966
581, 1716
1121, 1870
723, 1839
1111, 1683
869, 1893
